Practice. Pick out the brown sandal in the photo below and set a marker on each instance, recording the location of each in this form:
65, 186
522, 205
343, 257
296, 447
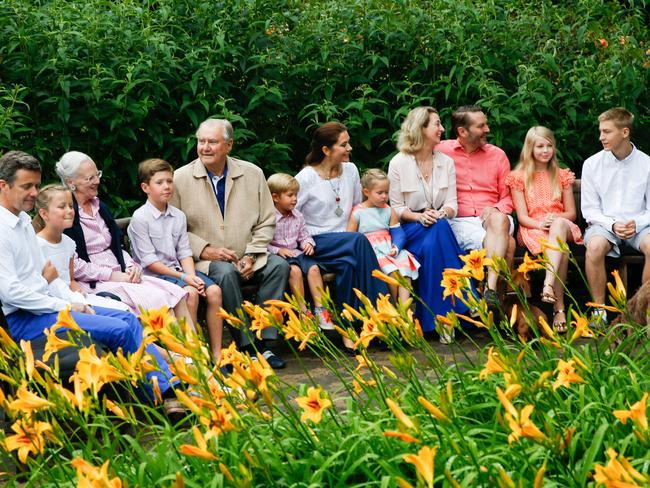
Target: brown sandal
548, 296
560, 325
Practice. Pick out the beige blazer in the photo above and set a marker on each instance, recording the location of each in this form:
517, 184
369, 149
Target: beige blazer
406, 190
249, 221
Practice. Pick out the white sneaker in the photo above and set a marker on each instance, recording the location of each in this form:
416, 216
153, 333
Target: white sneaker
598, 318
324, 321
446, 338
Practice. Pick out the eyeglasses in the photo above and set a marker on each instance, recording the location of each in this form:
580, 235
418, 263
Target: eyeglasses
89, 179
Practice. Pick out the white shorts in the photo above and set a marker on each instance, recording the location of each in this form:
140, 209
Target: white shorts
614, 240
470, 233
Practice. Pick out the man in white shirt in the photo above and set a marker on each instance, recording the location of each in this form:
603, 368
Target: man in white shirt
31, 303
615, 200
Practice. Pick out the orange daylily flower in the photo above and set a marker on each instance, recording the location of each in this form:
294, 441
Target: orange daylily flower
94, 372
384, 277
90, 476
155, 320
433, 410
230, 318
313, 405
401, 436
475, 263
636, 413
219, 420
519, 422
424, 463
260, 318
201, 448
566, 374
26, 347
494, 364
297, 329
529, 265
619, 473
28, 402
453, 282
54, 344
582, 329
64, 320
400, 415
28, 438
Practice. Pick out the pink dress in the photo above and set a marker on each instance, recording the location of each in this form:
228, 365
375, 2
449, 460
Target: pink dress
540, 204
149, 294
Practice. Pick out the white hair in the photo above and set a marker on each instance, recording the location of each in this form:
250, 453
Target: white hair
68, 165
226, 127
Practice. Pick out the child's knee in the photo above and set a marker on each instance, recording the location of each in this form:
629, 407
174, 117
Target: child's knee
213, 295
295, 273
314, 271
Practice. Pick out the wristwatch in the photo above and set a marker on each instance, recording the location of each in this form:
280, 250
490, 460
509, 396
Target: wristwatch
250, 255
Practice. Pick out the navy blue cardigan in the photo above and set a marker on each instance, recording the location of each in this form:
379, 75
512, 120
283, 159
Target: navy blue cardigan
77, 235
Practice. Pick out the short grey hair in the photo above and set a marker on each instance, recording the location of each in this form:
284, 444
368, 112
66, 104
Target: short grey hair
226, 127
68, 165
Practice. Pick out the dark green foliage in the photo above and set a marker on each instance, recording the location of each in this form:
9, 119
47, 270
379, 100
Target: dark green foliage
128, 79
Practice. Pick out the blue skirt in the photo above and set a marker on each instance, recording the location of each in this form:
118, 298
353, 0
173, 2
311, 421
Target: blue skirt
351, 257
436, 248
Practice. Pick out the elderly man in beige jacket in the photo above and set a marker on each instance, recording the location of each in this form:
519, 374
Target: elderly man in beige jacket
230, 221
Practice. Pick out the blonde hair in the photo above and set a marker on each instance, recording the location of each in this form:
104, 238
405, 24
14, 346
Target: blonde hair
281, 183
43, 201
621, 117
410, 137
371, 177
527, 160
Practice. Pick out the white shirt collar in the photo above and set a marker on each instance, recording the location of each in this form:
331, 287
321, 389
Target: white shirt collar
12, 220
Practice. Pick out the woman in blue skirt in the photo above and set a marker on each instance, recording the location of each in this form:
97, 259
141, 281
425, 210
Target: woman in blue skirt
329, 188
423, 193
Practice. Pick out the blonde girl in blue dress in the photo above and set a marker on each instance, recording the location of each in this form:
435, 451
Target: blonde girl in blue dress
380, 224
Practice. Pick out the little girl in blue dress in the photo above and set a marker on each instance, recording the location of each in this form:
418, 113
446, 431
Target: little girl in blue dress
380, 224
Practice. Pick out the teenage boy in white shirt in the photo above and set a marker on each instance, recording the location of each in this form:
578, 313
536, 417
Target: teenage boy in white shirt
615, 198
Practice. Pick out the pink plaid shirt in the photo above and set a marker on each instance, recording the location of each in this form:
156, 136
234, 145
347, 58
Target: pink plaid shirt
290, 232
98, 243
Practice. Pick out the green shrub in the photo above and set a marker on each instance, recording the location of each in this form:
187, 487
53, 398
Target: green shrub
123, 80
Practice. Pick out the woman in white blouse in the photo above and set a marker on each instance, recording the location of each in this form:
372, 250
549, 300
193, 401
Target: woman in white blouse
329, 188
423, 193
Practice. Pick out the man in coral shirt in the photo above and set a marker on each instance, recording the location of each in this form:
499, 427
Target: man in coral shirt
484, 203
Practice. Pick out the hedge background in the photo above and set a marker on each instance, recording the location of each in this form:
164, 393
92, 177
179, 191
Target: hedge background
124, 80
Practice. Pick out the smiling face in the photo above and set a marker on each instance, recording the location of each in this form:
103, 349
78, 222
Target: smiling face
377, 194
612, 137
86, 181
160, 188
543, 150
59, 214
434, 129
475, 134
21, 194
211, 147
340, 151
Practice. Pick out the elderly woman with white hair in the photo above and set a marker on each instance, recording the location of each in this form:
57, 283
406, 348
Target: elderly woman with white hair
423, 193
101, 265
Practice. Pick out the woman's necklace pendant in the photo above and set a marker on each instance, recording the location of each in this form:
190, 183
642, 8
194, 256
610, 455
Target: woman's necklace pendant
338, 211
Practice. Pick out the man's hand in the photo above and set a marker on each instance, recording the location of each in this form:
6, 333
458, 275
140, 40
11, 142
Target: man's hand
210, 253
625, 230
245, 267
287, 253
308, 249
487, 211
82, 307
49, 272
